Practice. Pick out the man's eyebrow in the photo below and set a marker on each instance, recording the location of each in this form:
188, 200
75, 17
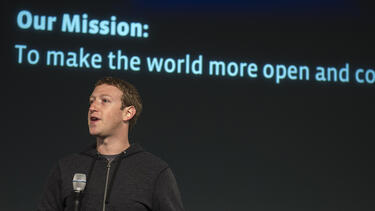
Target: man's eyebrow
102, 95
105, 95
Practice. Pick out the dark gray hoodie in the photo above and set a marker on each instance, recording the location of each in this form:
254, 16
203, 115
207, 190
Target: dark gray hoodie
137, 181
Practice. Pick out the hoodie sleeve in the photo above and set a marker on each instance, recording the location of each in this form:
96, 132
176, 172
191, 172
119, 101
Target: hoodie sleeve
51, 196
166, 196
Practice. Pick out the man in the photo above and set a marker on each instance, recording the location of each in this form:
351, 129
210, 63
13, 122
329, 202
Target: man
119, 176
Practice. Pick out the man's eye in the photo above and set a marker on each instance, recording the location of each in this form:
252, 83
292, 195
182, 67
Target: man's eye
105, 101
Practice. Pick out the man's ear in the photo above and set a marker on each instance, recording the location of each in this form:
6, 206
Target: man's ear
128, 113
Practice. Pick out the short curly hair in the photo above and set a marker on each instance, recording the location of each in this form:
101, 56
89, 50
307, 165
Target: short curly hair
130, 96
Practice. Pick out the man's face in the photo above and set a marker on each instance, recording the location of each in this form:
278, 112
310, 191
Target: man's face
105, 117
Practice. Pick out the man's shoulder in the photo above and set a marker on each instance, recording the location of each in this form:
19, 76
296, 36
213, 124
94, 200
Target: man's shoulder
73, 156
73, 159
148, 160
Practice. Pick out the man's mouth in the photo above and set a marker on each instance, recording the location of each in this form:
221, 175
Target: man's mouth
94, 119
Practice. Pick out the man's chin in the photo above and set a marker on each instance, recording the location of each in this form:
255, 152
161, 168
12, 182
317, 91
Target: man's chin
98, 135
94, 133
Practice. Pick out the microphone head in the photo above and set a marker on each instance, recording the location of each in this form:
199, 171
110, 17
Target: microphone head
79, 182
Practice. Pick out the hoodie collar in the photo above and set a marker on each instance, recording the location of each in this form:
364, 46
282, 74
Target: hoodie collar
133, 149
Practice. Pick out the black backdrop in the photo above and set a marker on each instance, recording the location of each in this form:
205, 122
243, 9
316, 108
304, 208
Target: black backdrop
233, 143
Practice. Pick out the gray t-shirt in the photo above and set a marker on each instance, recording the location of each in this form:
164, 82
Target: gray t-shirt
110, 158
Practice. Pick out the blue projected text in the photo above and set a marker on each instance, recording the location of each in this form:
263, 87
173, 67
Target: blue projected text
188, 65
81, 23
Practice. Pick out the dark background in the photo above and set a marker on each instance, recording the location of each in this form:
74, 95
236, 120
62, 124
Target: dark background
233, 143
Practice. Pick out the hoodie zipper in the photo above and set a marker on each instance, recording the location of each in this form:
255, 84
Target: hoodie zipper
106, 184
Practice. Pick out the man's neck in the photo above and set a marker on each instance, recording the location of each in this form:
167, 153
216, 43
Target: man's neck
111, 145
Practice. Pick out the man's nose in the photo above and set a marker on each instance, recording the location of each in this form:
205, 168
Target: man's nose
93, 107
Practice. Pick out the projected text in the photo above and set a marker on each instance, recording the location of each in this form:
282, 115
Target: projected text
81, 23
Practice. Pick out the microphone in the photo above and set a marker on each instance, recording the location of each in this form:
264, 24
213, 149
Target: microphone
79, 184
